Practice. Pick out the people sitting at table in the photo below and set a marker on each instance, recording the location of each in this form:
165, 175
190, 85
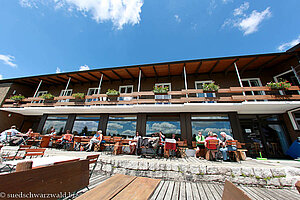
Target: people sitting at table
12, 136
225, 147
67, 138
200, 148
52, 132
132, 144
30, 131
160, 148
211, 146
96, 139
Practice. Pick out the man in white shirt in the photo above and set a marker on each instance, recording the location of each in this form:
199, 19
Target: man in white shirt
9, 134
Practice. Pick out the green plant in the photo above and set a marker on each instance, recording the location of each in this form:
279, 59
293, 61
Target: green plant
47, 96
17, 97
112, 92
78, 95
281, 85
210, 87
158, 89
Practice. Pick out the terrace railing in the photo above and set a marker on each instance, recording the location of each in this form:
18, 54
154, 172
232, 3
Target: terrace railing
229, 95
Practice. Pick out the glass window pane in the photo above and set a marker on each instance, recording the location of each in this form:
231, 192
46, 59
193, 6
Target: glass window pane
115, 117
58, 117
121, 128
85, 128
96, 117
59, 126
214, 126
200, 117
167, 127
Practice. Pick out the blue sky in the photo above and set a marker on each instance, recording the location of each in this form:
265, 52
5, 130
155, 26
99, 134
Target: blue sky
49, 36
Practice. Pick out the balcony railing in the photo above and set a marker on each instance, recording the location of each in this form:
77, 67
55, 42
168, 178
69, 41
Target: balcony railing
232, 94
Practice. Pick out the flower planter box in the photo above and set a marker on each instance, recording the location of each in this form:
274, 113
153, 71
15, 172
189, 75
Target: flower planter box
158, 93
210, 91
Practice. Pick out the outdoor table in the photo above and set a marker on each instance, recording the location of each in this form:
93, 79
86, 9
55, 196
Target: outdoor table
170, 144
38, 162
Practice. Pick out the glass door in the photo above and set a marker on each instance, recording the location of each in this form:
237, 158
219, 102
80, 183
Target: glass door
199, 85
92, 91
252, 82
125, 89
40, 93
163, 96
65, 93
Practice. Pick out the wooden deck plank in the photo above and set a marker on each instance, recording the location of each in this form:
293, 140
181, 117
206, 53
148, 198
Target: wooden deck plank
270, 193
208, 192
141, 188
163, 190
182, 193
175, 194
251, 194
169, 192
157, 190
263, 191
201, 191
196, 195
253, 190
189, 192
214, 191
284, 193
109, 188
218, 189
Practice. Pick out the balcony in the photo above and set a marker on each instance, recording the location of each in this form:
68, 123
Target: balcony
229, 95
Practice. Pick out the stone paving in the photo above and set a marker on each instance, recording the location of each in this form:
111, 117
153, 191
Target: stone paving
270, 173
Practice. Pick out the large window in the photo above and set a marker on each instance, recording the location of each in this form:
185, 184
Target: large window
55, 121
167, 124
121, 125
86, 125
215, 123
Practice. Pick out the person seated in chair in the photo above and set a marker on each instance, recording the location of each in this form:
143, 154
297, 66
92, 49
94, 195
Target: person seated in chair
67, 138
227, 148
96, 139
211, 146
132, 144
200, 140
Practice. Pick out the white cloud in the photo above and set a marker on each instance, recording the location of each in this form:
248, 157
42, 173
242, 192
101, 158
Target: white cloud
8, 60
119, 12
1, 76
58, 70
247, 23
287, 45
227, 1
177, 18
240, 10
83, 67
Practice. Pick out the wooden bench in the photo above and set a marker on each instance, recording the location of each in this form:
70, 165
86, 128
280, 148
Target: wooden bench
49, 180
231, 192
240, 151
123, 187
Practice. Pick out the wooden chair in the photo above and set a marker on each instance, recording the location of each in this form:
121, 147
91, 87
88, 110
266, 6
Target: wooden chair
45, 141
241, 151
34, 139
234, 153
17, 156
66, 161
34, 153
231, 192
211, 147
181, 148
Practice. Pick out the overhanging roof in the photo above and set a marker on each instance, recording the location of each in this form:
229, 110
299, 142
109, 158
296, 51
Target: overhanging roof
198, 66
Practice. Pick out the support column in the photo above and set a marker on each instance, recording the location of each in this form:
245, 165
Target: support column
41, 124
238, 75
67, 86
141, 124
139, 84
100, 83
70, 122
103, 123
236, 126
186, 128
37, 89
185, 81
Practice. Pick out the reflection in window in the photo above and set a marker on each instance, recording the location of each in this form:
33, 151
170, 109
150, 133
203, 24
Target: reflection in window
201, 117
86, 125
167, 127
59, 126
121, 125
214, 126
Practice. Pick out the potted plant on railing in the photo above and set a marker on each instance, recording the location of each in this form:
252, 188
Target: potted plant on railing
79, 97
17, 99
48, 97
158, 89
281, 85
112, 94
210, 87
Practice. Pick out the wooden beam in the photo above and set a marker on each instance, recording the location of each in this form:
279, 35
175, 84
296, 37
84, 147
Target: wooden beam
45, 80
89, 80
198, 68
79, 81
212, 69
53, 79
92, 75
27, 83
109, 78
130, 74
248, 64
229, 66
156, 75
113, 71
61, 78
260, 68
169, 71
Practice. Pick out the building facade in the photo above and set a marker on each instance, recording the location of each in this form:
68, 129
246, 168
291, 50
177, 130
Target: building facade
265, 119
